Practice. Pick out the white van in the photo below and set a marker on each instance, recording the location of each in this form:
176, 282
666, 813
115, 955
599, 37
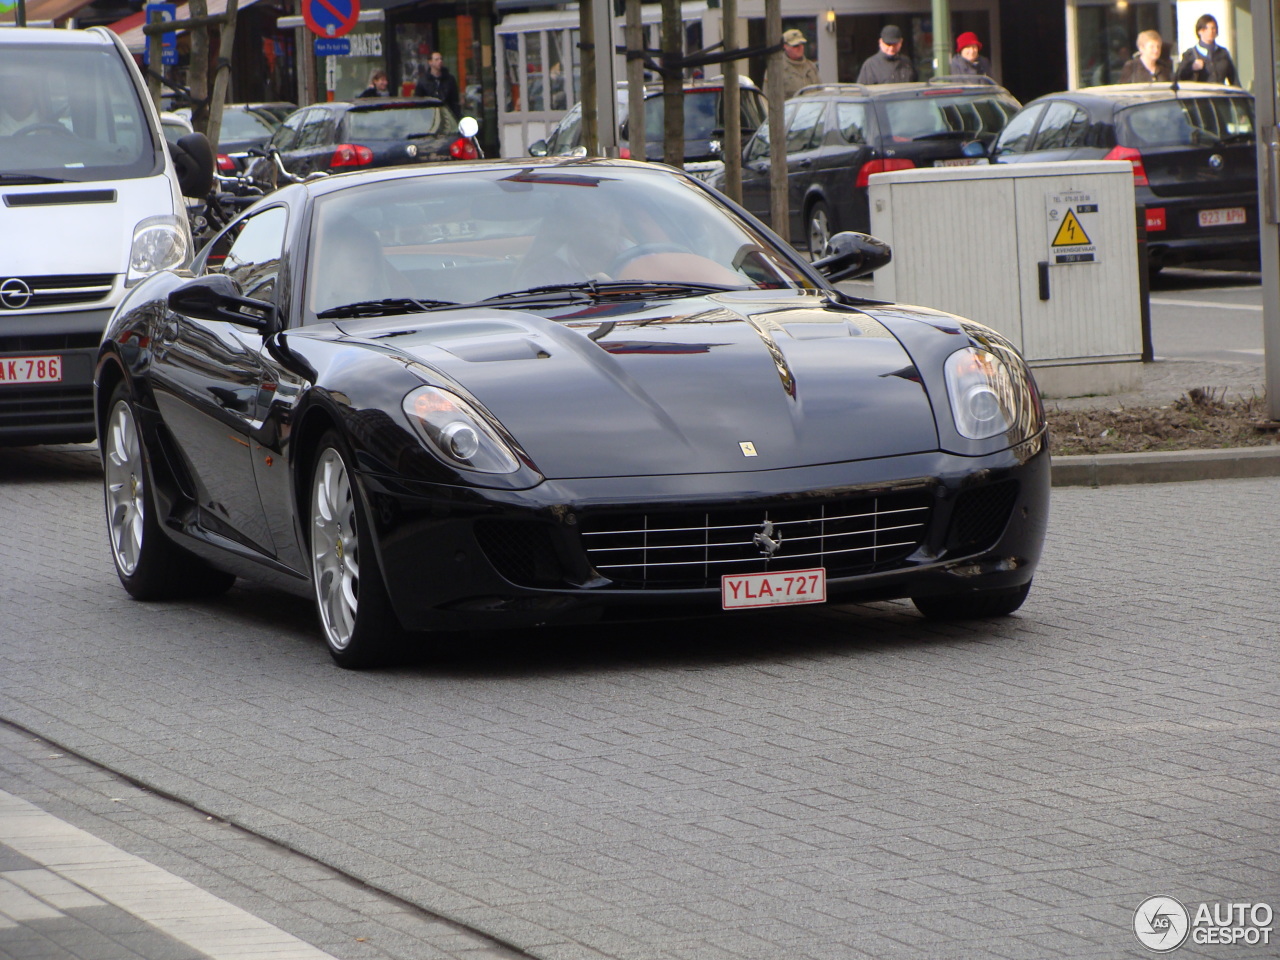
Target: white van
90, 203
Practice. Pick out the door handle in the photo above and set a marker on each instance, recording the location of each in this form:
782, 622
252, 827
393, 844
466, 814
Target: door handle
806, 162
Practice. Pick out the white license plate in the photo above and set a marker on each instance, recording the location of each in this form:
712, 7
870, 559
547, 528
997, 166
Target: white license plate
1222, 218
957, 162
30, 370
741, 590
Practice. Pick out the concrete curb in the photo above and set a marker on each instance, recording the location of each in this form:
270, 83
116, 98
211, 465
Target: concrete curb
1166, 466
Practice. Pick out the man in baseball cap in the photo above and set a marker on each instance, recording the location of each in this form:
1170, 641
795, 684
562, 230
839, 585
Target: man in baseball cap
968, 60
888, 65
797, 72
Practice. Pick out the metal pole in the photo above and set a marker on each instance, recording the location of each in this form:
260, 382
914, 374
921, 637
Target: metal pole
606, 64
942, 37
20, 15
1267, 92
637, 136
732, 142
779, 207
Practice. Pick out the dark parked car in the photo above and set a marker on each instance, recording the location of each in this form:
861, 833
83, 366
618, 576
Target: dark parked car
1193, 153
245, 127
351, 135
703, 124
642, 406
840, 134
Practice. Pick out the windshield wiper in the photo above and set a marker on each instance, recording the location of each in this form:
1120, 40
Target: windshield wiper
381, 308
606, 289
31, 178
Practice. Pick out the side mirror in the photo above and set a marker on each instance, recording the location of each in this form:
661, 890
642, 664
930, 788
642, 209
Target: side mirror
217, 297
538, 148
849, 255
468, 127
974, 148
193, 163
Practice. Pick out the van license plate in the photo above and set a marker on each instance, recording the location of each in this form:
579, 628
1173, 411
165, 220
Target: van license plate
30, 370
741, 590
1222, 218
958, 162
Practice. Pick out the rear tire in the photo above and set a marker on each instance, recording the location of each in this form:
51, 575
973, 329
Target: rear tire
149, 564
359, 626
818, 228
982, 605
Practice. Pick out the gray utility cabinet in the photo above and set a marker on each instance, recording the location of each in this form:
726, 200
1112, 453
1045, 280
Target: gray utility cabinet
1045, 253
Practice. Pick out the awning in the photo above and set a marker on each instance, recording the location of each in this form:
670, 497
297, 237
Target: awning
130, 28
45, 11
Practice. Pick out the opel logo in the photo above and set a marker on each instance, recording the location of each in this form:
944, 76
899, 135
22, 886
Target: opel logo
14, 294
1215, 161
411, 149
767, 540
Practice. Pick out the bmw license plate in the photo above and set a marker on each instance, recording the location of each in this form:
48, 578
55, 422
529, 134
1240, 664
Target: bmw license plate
1222, 218
741, 590
30, 370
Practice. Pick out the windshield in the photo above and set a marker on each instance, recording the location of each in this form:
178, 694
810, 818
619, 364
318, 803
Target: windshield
243, 125
466, 237
71, 113
399, 123
1191, 121
944, 117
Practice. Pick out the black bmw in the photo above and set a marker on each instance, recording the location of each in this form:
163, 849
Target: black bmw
511, 393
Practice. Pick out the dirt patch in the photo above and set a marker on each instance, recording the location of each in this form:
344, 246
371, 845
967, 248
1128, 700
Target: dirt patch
1201, 419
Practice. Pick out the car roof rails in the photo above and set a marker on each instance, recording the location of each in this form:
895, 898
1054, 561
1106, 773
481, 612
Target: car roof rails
831, 88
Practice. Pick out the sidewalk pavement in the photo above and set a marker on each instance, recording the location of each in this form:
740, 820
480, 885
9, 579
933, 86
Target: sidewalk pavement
1163, 382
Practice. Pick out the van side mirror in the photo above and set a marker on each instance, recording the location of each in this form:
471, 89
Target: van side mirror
193, 162
849, 255
217, 297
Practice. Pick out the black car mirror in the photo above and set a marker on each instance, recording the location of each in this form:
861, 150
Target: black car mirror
217, 297
538, 148
849, 255
974, 148
193, 163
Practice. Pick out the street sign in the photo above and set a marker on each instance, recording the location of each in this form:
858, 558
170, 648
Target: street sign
330, 18
340, 47
168, 41
1073, 221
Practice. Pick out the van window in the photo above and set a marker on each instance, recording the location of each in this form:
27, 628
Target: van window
72, 113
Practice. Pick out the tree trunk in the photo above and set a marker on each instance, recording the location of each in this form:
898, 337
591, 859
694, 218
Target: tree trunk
672, 84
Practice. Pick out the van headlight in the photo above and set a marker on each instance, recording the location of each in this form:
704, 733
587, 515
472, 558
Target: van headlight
992, 392
457, 432
159, 243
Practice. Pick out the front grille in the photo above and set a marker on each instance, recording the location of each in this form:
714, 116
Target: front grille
40, 406
48, 342
57, 291
694, 548
980, 516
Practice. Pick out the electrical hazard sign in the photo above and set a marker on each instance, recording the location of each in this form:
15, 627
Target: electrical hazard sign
1073, 222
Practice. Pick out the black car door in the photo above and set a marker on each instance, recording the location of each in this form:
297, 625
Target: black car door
755, 168
207, 376
1014, 143
805, 134
851, 151
1062, 134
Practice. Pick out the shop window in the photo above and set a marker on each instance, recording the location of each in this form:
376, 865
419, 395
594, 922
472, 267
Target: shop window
533, 71
1108, 38
512, 90
555, 71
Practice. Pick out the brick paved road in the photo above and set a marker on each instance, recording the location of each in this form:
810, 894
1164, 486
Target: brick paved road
841, 783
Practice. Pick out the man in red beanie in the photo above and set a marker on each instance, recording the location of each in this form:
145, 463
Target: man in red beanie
969, 60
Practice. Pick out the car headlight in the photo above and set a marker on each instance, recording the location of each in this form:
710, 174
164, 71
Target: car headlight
992, 391
458, 432
159, 243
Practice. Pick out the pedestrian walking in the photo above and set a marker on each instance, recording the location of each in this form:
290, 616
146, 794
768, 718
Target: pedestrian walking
438, 82
379, 85
888, 65
968, 60
797, 71
1148, 64
1207, 62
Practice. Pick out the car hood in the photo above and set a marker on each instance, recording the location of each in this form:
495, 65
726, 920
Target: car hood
725, 383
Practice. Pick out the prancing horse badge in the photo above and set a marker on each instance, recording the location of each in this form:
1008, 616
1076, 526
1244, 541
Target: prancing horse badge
748, 448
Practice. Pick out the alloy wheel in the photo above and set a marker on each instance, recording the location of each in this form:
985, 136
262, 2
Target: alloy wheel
335, 549
124, 484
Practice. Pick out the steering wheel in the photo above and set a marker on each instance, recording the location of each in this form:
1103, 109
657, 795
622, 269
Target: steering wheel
43, 128
642, 250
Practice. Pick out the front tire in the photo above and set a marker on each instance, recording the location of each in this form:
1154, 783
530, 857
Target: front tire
982, 605
355, 612
149, 564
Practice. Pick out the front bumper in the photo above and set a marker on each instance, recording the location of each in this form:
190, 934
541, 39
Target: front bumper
463, 558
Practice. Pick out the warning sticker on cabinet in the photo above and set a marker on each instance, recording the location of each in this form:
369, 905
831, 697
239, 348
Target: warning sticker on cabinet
1073, 224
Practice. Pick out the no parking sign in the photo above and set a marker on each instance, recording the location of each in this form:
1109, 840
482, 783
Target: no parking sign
330, 18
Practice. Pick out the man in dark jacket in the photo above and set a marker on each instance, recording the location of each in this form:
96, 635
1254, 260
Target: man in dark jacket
888, 66
1207, 62
439, 83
